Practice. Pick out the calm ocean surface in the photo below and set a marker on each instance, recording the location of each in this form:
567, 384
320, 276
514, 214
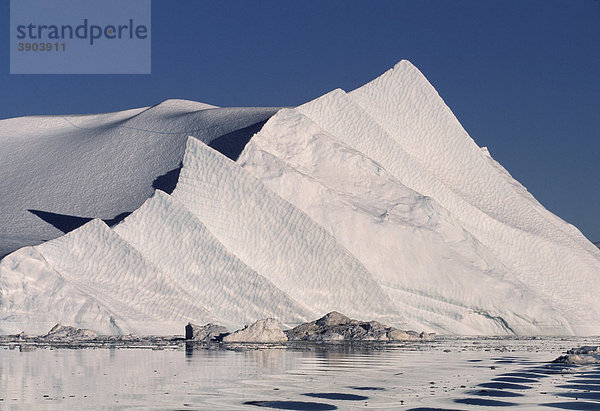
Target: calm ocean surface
449, 373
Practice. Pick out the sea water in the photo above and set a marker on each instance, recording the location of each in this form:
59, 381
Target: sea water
449, 373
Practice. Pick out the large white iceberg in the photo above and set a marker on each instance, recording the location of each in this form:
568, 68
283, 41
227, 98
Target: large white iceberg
276, 239
375, 203
175, 241
416, 250
548, 255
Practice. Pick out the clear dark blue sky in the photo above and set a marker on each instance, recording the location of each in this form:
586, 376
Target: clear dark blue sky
522, 76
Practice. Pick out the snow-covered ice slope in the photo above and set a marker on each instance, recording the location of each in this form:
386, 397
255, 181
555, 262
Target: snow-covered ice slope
276, 239
374, 203
560, 266
414, 248
34, 297
548, 255
412, 112
143, 300
101, 165
176, 242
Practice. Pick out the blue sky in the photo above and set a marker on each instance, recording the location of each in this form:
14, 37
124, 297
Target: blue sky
522, 76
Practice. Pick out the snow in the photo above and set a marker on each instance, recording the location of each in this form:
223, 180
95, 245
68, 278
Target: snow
142, 299
101, 165
34, 297
276, 239
262, 331
375, 203
415, 249
547, 255
175, 241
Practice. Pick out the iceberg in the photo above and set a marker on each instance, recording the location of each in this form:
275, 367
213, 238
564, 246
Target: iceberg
58, 172
415, 249
375, 203
276, 239
143, 299
547, 255
174, 240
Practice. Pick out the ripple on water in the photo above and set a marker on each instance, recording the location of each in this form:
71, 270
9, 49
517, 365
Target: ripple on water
484, 402
366, 388
580, 387
583, 379
530, 375
293, 405
581, 395
515, 380
504, 386
430, 409
347, 378
574, 405
336, 396
494, 393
